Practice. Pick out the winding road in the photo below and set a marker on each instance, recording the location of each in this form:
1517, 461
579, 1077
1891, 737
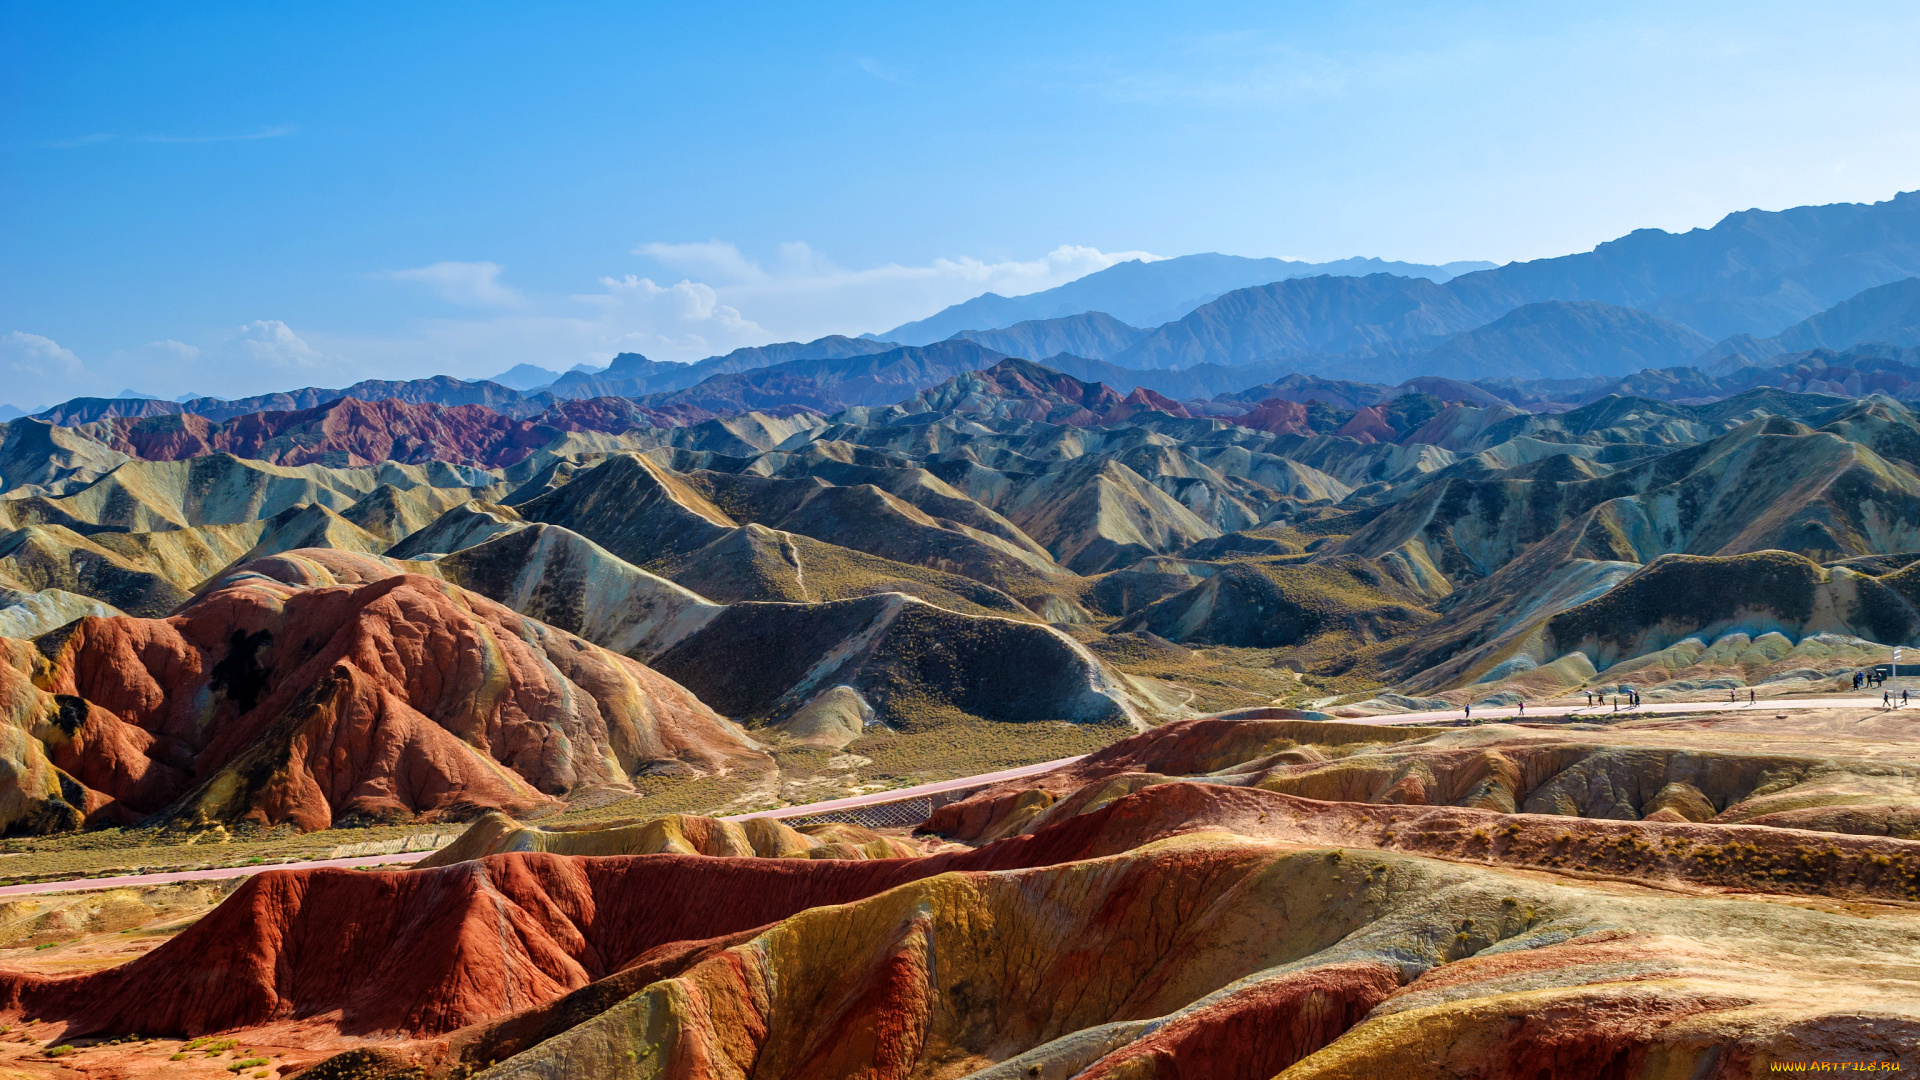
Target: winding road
1537, 712
406, 858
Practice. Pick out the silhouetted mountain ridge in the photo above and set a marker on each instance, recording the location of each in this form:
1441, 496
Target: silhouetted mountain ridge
1146, 293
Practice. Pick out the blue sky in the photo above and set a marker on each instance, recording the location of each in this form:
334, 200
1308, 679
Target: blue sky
232, 198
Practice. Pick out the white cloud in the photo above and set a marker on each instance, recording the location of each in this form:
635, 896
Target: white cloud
259, 357
40, 371
179, 349
273, 343
714, 258
685, 320
274, 132
471, 284
689, 312
30, 353
804, 295
883, 72
723, 300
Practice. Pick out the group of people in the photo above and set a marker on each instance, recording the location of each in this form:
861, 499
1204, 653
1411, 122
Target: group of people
1876, 677
1596, 697
1872, 677
1868, 678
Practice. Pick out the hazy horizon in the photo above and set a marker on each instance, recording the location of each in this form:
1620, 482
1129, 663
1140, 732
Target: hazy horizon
229, 200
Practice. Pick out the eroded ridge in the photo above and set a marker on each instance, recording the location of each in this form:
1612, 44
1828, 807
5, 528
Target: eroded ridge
1182, 919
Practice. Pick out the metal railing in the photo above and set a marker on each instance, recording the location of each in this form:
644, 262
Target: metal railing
893, 815
897, 814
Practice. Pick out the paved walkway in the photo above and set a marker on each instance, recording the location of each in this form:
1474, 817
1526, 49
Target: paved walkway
1546, 711
407, 858
903, 794
201, 875
1535, 712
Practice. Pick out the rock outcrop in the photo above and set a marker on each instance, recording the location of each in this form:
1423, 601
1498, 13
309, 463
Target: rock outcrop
405, 697
1181, 925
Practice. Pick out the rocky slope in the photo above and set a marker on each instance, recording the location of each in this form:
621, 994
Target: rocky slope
1128, 923
1143, 563
273, 700
733, 614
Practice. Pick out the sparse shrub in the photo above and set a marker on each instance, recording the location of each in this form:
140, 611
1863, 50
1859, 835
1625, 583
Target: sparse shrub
58, 1051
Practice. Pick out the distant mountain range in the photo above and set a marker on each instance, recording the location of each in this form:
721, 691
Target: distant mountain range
1093, 333
1548, 333
1147, 293
1888, 314
827, 385
1554, 354
1755, 273
1556, 339
438, 390
631, 374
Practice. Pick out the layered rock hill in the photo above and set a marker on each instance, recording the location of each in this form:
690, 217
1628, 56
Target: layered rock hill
681, 834
1136, 924
1862, 782
404, 698
822, 671
350, 432
1017, 545
1022, 492
445, 602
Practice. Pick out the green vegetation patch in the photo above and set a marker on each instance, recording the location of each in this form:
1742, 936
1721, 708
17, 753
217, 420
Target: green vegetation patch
958, 745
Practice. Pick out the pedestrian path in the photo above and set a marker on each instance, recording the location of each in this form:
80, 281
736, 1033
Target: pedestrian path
1546, 710
404, 859
1542, 711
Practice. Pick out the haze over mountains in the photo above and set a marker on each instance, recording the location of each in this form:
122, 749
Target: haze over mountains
1747, 283
1757, 285
1208, 572
1148, 293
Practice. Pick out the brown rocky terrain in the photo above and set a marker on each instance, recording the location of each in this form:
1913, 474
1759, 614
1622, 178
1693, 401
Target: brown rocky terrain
583, 631
1161, 907
273, 702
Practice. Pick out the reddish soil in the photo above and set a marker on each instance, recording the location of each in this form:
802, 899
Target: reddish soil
350, 432
1277, 415
428, 951
402, 698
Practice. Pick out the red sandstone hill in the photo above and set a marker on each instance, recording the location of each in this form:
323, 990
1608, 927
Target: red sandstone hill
1187, 929
1021, 390
403, 698
351, 432
1281, 416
